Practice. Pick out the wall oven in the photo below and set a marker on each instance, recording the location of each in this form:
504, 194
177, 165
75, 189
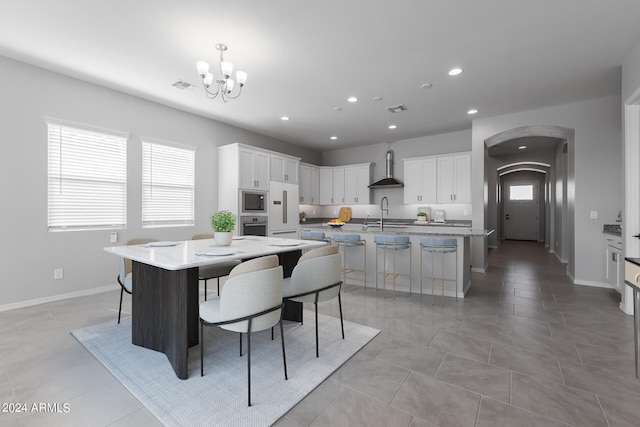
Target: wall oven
253, 226
253, 202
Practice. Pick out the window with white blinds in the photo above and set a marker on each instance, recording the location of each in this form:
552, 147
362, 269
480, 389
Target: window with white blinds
168, 185
87, 172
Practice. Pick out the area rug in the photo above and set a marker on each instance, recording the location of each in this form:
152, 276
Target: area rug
220, 397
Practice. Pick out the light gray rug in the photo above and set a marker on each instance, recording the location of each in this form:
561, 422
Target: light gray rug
220, 397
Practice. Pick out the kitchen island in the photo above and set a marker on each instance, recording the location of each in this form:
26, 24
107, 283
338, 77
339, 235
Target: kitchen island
403, 262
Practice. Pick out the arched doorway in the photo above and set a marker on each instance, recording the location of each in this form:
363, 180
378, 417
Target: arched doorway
548, 150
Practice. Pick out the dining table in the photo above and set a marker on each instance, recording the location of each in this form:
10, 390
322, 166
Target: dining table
165, 303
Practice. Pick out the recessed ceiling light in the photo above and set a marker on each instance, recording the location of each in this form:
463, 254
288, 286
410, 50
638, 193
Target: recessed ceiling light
333, 138
455, 71
352, 99
472, 111
337, 108
285, 118
393, 126
377, 98
426, 85
522, 147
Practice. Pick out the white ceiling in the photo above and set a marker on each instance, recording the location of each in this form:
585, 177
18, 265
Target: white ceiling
304, 58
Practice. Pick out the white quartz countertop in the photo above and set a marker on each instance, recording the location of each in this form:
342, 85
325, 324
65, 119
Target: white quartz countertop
420, 230
194, 253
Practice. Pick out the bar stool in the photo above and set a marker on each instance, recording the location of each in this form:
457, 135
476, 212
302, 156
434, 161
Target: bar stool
394, 243
314, 235
442, 246
346, 241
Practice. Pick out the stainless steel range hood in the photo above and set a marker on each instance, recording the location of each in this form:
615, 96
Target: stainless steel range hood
389, 181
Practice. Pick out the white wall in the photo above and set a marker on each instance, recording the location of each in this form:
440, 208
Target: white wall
597, 148
452, 142
31, 253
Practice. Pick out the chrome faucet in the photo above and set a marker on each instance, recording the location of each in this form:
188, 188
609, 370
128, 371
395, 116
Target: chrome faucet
383, 210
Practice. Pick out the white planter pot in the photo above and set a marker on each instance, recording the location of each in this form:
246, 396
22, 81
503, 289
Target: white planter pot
223, 238
422, 218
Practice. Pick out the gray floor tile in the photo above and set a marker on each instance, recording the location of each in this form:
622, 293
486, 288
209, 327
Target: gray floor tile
351, 408
485, 331
462, 345
437, 402
414, 357
536, 365
553, 346
565, 404
479, 377
601, 381
497, 414
306, 412
621, 411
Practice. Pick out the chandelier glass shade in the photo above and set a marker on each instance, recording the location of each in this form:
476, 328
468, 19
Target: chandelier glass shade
223, 84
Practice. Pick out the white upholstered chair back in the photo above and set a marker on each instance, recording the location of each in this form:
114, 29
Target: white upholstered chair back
317, 269
252, 287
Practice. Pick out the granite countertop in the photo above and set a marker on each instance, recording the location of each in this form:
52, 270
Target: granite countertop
405, 229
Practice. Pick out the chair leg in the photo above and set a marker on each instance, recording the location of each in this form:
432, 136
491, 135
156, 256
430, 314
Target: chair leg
249, 363
240, 344
218, 286
205, 289
340, 307
316, 305
284, 356
120, 308
201, 350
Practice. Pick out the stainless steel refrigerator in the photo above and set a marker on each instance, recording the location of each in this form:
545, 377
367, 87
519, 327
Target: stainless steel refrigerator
283, 210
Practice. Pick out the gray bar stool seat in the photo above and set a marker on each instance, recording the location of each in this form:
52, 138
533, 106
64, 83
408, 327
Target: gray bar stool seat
393, 243
314, 235
351, 240
442, 246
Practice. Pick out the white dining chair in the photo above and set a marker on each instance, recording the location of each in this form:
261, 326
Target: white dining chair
250, 301
125, 277
316, 278
215, 271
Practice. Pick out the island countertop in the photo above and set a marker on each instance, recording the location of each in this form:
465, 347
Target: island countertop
419, 230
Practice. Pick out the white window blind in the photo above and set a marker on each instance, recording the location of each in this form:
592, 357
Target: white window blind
87, 172
168, 185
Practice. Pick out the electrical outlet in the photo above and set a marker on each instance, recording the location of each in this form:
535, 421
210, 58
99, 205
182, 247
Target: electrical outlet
58, 273
113, 237
593, 214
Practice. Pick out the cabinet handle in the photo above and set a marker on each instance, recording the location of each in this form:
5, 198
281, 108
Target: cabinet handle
638, 278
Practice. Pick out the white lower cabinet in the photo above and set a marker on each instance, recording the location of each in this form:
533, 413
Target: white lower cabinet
614, 262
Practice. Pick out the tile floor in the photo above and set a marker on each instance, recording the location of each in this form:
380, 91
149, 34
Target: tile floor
525, 348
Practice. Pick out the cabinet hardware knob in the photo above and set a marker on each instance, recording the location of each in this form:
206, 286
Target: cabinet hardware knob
636, 236
638, 278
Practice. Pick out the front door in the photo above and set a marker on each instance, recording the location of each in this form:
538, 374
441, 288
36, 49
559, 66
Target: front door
521, 212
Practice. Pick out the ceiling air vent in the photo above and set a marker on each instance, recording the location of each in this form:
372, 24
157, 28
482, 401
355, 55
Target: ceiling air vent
182, 85
397, 108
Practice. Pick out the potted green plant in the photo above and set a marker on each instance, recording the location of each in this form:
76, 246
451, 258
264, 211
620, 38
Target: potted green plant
422, 216
223, 223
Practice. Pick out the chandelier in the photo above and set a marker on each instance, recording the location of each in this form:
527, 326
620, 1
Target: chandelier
224, 84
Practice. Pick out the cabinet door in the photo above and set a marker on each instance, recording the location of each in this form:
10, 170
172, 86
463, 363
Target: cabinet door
445, 181
245, 172
326, 186
315, 186
305, 185
291, 171
429, 181
462, 178
278, 169
363, 179
350, 185
261, 170
338, 186
412, 181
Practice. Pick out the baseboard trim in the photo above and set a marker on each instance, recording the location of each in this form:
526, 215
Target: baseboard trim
53, 298
593, 284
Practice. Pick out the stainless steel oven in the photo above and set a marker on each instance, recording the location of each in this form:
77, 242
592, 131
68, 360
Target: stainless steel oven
253, 202
253, 226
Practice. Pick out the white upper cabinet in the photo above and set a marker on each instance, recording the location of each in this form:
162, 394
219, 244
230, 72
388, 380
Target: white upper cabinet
356, 184
326, 185
284, 169
309, 184
253, 169
338, 186
420, 185
454, 178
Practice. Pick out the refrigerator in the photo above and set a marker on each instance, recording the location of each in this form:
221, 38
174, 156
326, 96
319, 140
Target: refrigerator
283, 210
